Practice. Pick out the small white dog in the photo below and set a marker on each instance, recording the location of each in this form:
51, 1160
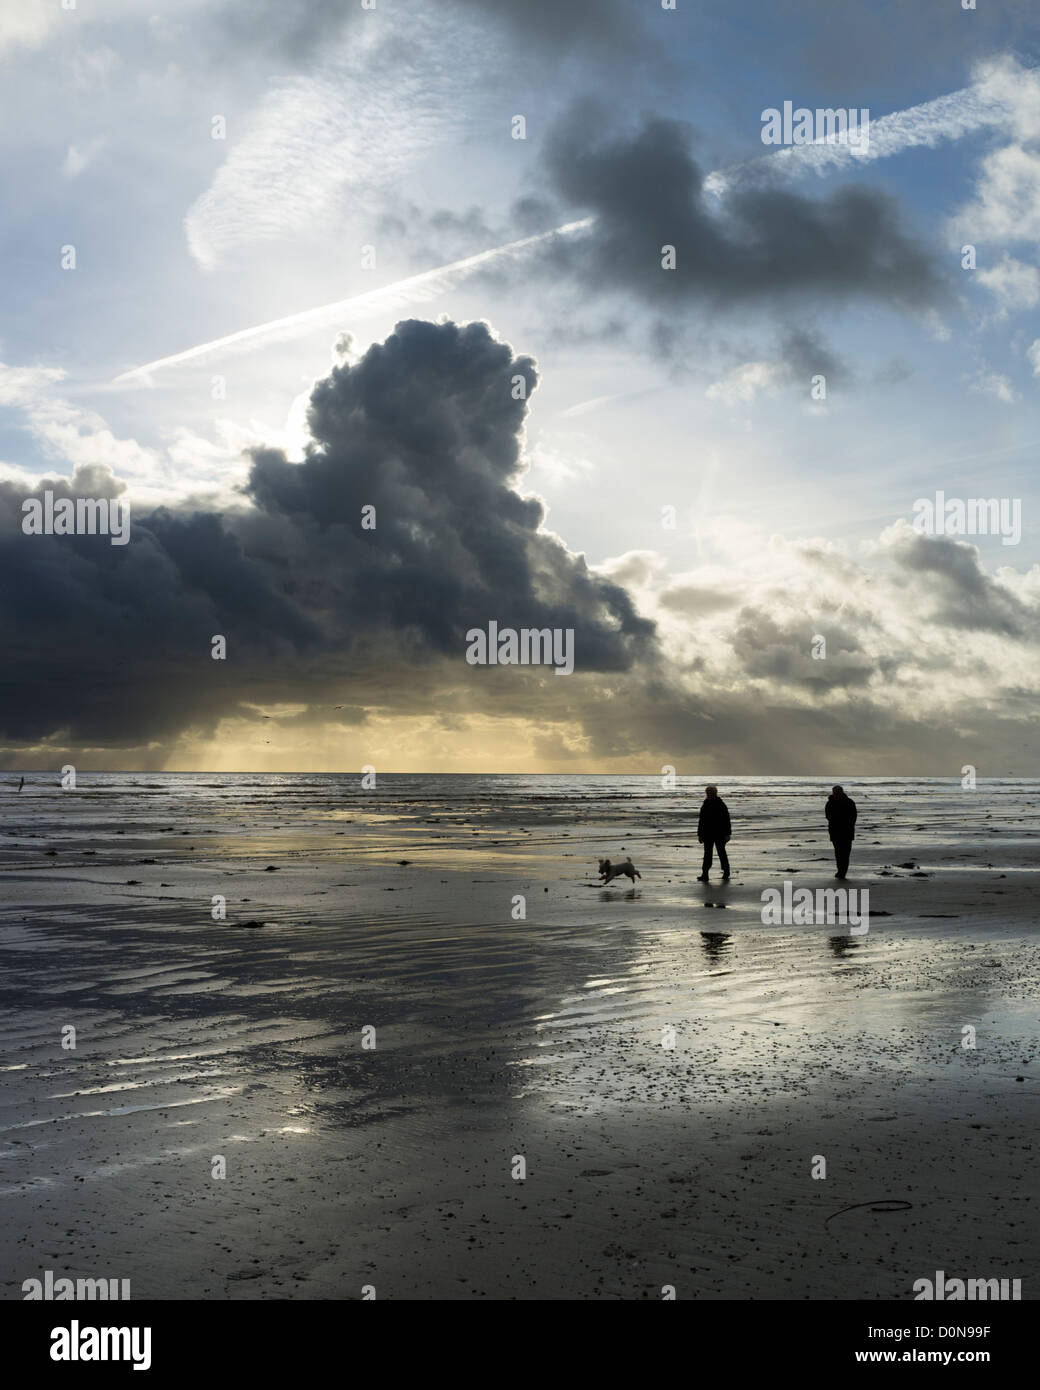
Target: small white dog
609, 871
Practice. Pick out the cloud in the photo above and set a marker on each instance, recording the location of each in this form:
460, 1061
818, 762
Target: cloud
297, 32
695, 601
66, 431
427, 428
994, 384
79, 157
1009, 86
1004, 208
742, 384
29, 23
902, 685
295, 147
781, 650
1014, 285
109, 647
1006, 205
375, 100
583, 23
982, 106
950, 578
800, 357
758, 245
360, 120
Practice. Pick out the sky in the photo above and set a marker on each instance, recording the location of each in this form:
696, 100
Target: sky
268, 266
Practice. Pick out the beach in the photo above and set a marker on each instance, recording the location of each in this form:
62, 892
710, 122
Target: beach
444, 1063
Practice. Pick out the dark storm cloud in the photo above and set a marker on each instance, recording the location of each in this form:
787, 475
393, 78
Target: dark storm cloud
298, 31
780, 652
948, 575
531, 214
569, 23
113, 642
805, 355
730, 732
756, 245
295, 32
426, 429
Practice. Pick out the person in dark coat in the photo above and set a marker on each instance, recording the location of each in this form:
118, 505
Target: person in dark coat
841, 826
713, 829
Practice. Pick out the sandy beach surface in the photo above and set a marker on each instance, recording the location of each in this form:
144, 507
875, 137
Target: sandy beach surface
507, 1045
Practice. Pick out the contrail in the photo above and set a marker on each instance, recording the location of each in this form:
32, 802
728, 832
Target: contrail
415, 288
947, 117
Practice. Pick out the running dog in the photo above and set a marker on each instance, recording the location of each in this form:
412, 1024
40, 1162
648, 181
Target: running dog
609, 871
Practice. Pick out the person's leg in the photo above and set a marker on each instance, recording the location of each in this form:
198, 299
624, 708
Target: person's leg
706, 865
723, 858
844, 850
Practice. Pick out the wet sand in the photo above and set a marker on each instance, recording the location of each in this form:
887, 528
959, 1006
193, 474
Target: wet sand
496, 1039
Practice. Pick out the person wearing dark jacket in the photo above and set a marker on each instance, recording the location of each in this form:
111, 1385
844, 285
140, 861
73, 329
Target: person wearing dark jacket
713, 829
841, 826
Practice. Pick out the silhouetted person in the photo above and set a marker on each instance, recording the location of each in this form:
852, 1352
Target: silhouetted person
841, 826
713, 830
21, 784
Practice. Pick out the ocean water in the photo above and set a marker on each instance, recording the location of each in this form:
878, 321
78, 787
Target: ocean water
896, 810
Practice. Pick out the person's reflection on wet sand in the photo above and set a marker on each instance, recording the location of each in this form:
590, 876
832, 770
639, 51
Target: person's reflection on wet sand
843, 945
715, 943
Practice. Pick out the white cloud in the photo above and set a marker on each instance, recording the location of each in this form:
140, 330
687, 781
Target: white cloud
743, 623
741, 385
988, 102
1005, 206
635, 569
20, 385
995, 384
1014, 285
70, 434
28, 23
79, 156
361, 124
1015, 89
